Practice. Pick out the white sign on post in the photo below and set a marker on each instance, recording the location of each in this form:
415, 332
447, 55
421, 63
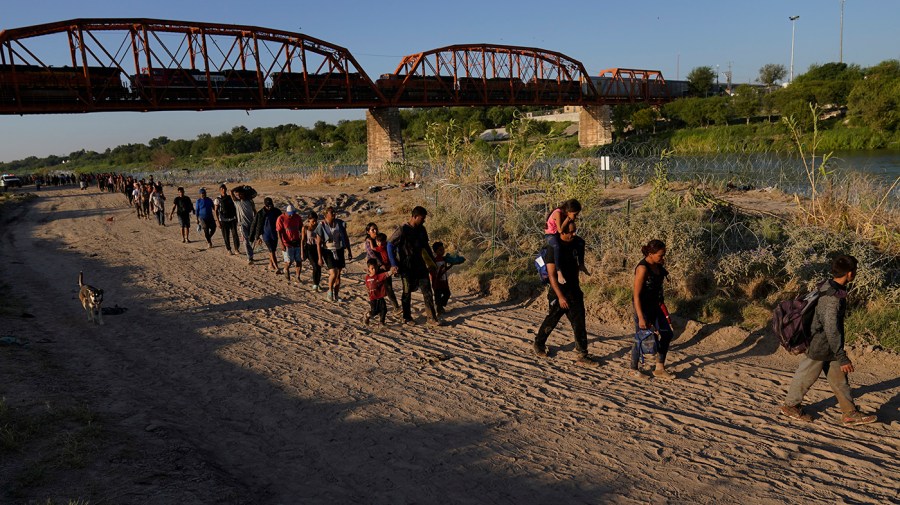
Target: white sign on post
604, 163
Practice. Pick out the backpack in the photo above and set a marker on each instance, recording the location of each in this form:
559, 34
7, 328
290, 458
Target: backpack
792, 321
248, 193
541, 266
647, 342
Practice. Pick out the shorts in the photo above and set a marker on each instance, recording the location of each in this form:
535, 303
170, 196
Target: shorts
334, 259
292, 253
184, 219
271, 245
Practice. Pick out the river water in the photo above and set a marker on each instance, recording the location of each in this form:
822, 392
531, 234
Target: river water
885, 163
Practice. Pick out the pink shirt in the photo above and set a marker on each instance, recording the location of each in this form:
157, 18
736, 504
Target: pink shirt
552, 228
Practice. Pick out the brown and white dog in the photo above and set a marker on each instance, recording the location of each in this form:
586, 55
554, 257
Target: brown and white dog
91, 299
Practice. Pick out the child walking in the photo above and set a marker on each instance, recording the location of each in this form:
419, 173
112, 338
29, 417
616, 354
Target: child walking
375, 284
380, 254
440, 281
826, 349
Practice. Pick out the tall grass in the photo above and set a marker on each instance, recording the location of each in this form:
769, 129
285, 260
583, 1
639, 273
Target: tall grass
727, 266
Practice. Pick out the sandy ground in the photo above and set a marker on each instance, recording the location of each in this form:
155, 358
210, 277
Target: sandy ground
221, 383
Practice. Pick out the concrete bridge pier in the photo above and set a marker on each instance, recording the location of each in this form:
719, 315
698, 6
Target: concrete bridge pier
384, 143
595, 126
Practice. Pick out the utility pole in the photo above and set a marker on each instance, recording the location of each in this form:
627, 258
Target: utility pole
793, 26
841, 60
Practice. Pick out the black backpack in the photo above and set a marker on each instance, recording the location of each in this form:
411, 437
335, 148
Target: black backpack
227, 209
792, 321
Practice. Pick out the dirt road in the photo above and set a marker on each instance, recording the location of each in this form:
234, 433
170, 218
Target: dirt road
221, 383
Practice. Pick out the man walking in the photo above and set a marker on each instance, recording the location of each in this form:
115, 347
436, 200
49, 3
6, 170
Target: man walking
565, 299
405, 252
182, 206
288, 227
264, 229
204, 211
246, 211
226, 218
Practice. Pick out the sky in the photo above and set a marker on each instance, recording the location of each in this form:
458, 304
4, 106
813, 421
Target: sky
666, 35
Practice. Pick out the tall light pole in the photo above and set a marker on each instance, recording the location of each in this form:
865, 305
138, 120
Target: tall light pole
841, 60
793, 26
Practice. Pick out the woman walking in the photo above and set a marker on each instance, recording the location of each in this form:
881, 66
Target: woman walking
649, 309
310, 249
332, 243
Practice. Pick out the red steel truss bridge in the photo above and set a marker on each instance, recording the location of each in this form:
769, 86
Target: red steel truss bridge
96, 65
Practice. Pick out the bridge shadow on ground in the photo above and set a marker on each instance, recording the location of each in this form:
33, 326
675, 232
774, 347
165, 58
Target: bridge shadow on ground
276, 435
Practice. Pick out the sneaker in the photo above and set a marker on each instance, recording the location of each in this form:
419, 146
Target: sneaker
411, 322
330, 296
434, 322
315, 288
587, 361
541, 350
249, 262
796, 413
366, 319
664, 374
856, 418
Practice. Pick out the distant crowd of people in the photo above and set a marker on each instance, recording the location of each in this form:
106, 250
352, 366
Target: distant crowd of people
423, 266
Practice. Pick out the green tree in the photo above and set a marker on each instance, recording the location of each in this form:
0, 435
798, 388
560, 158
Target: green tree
645, 119
875, 100
700, 80
771, 73
745, 101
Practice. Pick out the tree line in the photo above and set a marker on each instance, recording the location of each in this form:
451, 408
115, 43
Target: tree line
865, 97
344, 142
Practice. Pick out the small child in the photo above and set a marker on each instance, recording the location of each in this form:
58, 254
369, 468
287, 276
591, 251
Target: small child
440, 281
375, 284
826, 351
380, 254
566, 213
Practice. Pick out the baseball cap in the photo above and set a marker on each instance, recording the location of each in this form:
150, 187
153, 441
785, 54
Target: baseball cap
289, 209
202, 191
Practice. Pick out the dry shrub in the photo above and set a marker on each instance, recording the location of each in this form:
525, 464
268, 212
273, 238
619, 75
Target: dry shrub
759, 288
699, 283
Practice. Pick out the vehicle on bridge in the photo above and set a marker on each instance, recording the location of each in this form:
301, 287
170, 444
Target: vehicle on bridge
329, 86
175, 84
33, 84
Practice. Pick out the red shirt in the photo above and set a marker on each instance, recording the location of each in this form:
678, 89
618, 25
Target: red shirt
381, 252
290, 226
376, 285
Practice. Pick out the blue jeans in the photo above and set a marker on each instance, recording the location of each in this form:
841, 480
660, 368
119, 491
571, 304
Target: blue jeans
656, 319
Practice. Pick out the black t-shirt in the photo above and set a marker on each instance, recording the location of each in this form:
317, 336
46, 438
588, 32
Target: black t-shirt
571, 256
410, 242
651, 294
183, 205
